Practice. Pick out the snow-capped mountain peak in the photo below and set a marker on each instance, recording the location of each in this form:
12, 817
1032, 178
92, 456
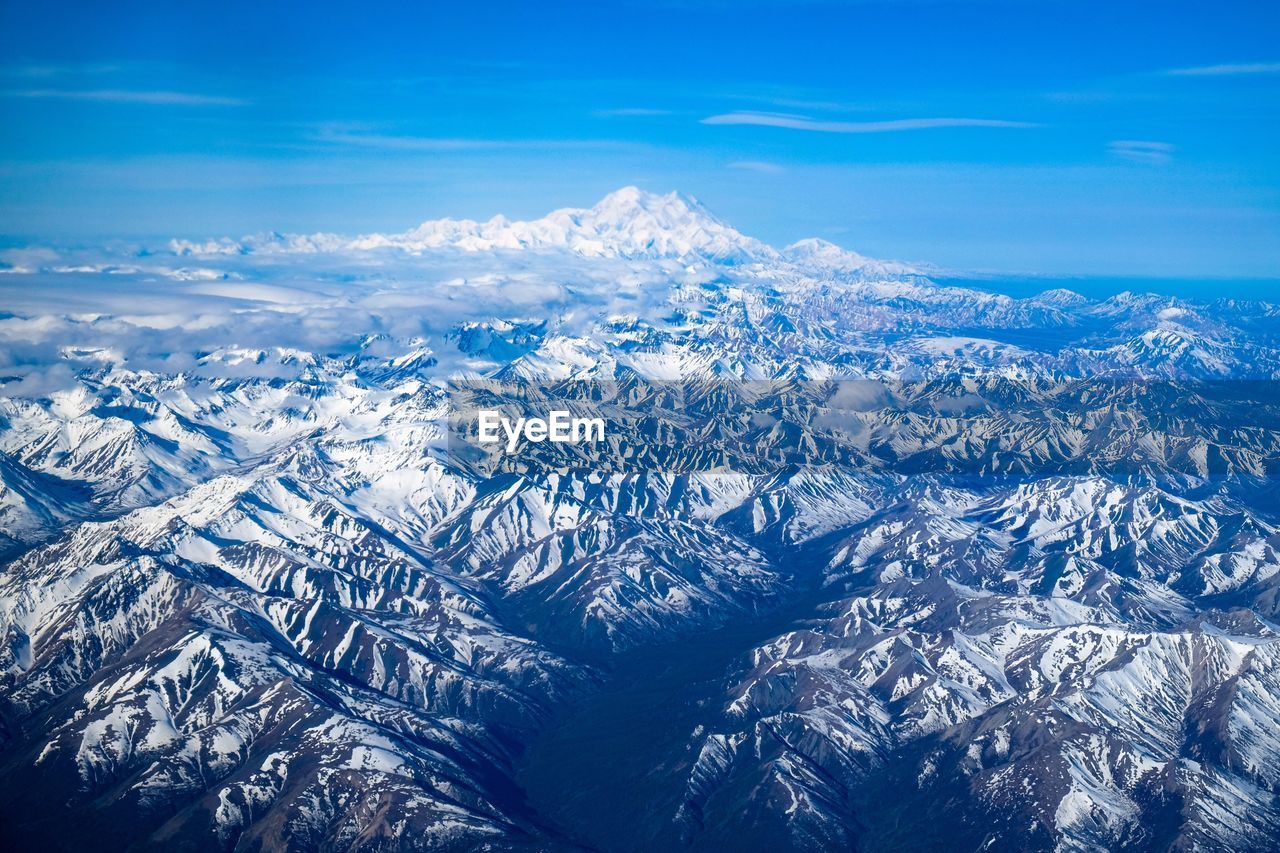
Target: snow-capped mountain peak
631, 222
816, 253
626, 223
630, 203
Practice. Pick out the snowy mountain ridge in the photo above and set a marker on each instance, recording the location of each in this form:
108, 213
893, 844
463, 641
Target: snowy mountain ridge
894, 565
626, 223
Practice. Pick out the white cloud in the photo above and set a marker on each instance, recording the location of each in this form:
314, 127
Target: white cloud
394, 142
1227, 70
411, 143
38, 381
1142, 151
793, 122
48, 71
158, 317
130, 96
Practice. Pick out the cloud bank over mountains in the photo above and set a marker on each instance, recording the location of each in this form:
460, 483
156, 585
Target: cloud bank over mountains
160, 308
639, 256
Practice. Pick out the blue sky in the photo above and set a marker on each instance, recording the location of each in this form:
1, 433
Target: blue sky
1053, 137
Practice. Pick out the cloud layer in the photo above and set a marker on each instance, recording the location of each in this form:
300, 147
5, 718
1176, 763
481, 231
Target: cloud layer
1142, 151
794, 122
1227, 70
131, 96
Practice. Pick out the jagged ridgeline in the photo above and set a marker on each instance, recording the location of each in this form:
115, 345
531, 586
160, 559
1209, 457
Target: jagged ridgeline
989, 426
862, 561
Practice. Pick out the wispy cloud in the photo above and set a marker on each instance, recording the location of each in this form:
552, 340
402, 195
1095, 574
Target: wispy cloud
1227, 70
632, 112
1142, 151
411, 143
820, 106
130, 96
48, 71
760, 166
793, 122
394, 142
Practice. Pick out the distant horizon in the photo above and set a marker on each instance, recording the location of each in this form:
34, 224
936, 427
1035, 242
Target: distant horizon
1012, 282
1048, 138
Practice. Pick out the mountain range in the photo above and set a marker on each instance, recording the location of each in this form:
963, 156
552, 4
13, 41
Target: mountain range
880, 564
